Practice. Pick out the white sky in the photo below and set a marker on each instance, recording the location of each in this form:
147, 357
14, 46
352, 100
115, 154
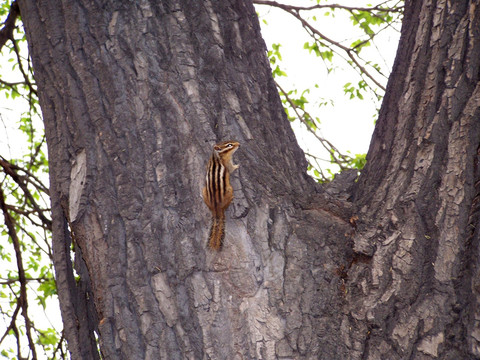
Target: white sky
349, 123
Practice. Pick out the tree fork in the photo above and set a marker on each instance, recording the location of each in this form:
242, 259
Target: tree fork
133, 96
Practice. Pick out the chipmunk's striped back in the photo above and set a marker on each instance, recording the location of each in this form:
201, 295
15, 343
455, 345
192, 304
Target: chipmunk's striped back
215, 182
218, 193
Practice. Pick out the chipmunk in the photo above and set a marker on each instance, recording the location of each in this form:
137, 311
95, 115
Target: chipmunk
218, 193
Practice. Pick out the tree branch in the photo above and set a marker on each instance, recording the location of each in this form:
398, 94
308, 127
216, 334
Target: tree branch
31, 178
13, 318
346, 49
14, 280
6, 33
22, 70
59, 347
325, 143
10, 223
18, 179
329, 6
11, 85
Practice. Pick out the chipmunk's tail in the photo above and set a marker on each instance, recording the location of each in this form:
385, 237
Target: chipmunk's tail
217, 232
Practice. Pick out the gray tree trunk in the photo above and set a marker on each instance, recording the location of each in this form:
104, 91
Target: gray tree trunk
418, 295
135, 93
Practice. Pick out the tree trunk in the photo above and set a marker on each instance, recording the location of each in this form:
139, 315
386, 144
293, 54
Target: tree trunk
418, 295
135, 93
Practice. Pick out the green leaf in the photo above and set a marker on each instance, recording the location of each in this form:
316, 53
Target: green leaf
359, 161
326, 55
47, 337
359, 44
277, 72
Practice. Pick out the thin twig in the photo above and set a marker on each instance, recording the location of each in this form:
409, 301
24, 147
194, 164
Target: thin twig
10, 84
22, 70
13, 318
350, 52
10, 223
14, 280
30, 176
327, 6
346, 49
324, 142
19, 180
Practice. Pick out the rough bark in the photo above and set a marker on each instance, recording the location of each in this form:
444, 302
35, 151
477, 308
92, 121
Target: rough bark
417, 297
134, 94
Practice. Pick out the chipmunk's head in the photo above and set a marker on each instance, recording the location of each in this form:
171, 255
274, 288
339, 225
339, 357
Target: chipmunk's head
226, 147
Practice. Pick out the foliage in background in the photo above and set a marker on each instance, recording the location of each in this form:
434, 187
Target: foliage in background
370, 22
27, 285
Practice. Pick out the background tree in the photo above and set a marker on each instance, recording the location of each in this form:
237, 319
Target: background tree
26, 268
128, 112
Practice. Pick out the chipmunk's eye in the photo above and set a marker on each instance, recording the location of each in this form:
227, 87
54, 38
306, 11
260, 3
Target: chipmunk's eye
229, 145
